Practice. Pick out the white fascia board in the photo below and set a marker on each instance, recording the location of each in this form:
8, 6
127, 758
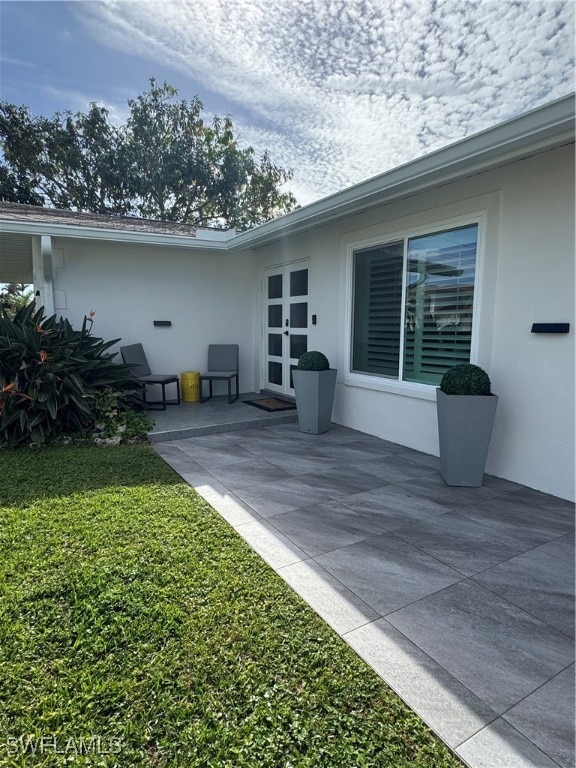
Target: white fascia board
114, 235
218, 235
535, 132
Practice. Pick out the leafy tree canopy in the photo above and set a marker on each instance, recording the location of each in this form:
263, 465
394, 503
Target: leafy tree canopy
14, 296
166, 162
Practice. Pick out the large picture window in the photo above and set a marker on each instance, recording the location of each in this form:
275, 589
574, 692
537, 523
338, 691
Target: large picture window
413, 303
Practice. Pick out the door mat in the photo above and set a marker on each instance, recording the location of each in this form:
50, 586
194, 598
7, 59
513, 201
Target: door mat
272, 404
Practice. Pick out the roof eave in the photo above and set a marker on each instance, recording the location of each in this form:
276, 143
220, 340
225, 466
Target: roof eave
538, 131
110, 235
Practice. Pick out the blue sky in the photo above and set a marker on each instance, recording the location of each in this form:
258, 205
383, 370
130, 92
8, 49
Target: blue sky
337, 90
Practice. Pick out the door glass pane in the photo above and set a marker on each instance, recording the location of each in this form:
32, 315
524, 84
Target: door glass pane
275, 316
275, 287
275, 373
275, 344
298, 345
299, 315
439, 303
292, 369
299, 283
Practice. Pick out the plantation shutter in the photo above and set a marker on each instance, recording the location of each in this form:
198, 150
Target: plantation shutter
15, 258
378, 309
439, 303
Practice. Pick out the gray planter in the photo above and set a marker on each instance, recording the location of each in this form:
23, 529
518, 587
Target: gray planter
314, 399
464, 428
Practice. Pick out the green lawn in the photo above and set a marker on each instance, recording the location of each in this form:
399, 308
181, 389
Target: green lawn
130, 612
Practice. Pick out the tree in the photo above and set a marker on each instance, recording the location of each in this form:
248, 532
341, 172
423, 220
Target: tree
14, 296
65, 162
166, 162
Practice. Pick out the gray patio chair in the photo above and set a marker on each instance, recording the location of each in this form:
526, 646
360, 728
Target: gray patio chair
222, 365
134, 355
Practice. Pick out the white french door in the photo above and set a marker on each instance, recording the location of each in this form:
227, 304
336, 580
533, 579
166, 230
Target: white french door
285, 324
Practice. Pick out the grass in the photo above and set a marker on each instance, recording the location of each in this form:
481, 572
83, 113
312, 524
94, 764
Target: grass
131, 612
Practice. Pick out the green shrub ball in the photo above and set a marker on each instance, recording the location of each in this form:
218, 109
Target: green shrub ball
313, 361
465, 379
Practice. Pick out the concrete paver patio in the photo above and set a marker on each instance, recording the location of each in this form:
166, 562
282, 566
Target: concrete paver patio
462, 599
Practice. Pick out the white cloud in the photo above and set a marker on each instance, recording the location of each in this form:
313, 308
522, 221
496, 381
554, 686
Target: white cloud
77, 101
18, 62
341, 90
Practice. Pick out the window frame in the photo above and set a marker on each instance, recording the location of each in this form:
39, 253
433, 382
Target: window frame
398, 385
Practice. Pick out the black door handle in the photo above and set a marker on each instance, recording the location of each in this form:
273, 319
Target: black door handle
286, 333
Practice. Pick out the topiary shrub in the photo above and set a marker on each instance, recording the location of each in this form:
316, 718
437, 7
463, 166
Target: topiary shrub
313, 361
466, 379
52, 378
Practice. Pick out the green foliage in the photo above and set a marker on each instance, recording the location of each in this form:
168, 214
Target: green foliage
68, 161
51, 377
106, 408
114, 419
137, 425
166, 162
14, 296
130, 609
466, 379
313, 361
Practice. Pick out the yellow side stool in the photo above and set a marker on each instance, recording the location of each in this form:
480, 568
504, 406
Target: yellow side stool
190, 383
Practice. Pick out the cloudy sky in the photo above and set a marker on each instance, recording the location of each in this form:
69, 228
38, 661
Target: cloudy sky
337, 90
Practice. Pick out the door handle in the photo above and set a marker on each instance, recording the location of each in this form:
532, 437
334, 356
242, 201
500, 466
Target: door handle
286, 333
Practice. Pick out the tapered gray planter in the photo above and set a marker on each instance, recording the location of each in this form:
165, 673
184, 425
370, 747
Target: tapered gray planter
464, 428
314, 392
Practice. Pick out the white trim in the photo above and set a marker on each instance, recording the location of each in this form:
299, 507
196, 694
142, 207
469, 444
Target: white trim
37, 272
398, 386
384, 384
282, 264
46, 265
218, 242
285, 268
402, 306
477, 314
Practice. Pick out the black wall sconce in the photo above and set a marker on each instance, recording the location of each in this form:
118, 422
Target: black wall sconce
550, 327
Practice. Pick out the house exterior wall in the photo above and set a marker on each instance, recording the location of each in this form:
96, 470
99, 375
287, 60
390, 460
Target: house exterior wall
525, 275
208, 296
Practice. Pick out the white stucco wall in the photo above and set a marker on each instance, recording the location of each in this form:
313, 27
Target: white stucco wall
208, 296
533, 439
525, 275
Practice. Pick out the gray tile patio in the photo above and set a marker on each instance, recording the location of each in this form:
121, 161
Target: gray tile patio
461, 599
498, 651
215, 416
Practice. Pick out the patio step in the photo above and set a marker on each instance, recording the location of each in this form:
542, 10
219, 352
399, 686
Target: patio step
213, 429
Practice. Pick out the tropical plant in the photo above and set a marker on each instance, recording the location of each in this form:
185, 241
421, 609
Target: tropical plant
51, 377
